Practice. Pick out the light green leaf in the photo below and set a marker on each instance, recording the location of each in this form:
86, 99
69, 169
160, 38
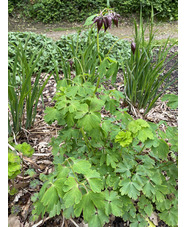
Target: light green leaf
82, 166
55, 210
137, 125
93, 178
96, 104
164, 205
70, 119
148, 189
58, 184
74, 106
50, 198
69, 184
25, 148
125, 168
50, 115
72, 197
103, 67
89, 20
111, 160
86, 205
124, 138
132, 189
98, 220
90, 121
113, 203
172, 100
81, 112
161, 151
144, 134
72, 91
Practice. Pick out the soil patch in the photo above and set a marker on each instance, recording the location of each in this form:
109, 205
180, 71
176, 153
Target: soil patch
55, 31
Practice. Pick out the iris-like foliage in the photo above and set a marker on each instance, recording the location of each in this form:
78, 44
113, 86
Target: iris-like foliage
144, 72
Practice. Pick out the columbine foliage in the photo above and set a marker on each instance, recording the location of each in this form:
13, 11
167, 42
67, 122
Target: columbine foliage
107, 165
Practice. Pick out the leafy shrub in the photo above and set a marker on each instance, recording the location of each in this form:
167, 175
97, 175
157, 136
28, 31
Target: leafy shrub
107, 164
54, 10
163, 9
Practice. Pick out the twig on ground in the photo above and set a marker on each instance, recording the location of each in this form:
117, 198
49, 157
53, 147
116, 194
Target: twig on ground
39, 154
63, 222
41, 222
73, 222
14, 138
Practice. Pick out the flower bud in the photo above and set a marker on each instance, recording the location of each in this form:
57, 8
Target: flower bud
133, 47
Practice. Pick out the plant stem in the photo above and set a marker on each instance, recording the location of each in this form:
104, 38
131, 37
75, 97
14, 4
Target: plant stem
85, 139
98, 46
141, 150
97, 85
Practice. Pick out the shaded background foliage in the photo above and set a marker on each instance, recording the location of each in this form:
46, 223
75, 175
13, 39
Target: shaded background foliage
49, 11
120, 52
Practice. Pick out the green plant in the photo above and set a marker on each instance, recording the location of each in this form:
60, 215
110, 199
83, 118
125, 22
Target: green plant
144, 71
52, 51
14, 161
35, 43
23, 96
172, 100
107, 164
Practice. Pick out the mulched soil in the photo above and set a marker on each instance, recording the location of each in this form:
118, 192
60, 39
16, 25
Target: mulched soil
39, 137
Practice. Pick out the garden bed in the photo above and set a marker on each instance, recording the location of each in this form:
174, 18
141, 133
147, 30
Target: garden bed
39, 137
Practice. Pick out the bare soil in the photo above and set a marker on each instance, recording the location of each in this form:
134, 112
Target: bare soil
125, 29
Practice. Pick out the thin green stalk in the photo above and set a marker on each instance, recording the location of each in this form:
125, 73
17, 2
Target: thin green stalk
85, 139
98, 47
97, 85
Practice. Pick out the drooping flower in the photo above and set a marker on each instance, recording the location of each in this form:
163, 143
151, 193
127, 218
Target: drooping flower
115, 17
99, 21
106, 20
133, 47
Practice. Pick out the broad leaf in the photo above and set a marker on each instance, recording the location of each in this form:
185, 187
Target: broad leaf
113, 203
170, 217
161, 151
82, 166
90, 121
132, 189
94, 180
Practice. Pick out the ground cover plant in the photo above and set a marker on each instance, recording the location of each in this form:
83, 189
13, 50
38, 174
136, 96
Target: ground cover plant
50, 48
105, 162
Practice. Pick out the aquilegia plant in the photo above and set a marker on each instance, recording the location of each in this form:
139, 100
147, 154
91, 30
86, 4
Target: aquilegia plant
107, 164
